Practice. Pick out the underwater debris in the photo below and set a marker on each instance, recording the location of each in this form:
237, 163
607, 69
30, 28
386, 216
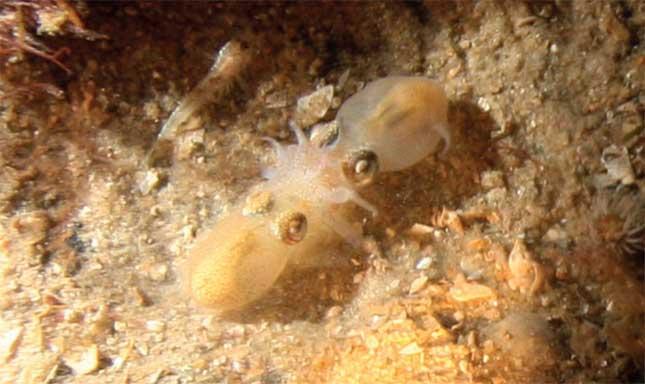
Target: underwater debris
10, 46
527, 275
448, 219
418, 284
9, 342
84, 362
19, 20
32, 89
418, 229
464, 291
150, 181
313, 107
619, 168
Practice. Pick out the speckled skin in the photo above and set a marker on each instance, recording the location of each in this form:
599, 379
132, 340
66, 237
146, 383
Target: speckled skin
402, 119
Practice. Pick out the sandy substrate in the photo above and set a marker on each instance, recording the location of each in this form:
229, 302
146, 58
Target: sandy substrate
517, 257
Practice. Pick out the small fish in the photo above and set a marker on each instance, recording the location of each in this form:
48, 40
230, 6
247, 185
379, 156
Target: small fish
229, 62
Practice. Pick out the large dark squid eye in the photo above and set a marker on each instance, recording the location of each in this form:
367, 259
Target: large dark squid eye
361, 167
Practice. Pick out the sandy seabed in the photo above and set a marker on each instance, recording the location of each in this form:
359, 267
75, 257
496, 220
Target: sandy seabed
515, 258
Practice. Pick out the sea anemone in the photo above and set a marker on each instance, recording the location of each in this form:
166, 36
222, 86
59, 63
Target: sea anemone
619, 221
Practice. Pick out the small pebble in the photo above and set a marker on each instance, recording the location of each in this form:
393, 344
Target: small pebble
257, 203
150, 181
158, 272
463, 367
483, 104
237, 331
471, 339
120, 326
411, 349
313, 107
334, 311
188, 232
616, 161
424, 263
84, 363
141, 297
189, 142
71, 315
418, 284
142, 349
371, 342
492, 179
9, 343
155, 325
496, 196
463, 291
556, 234
277, 100
420, 229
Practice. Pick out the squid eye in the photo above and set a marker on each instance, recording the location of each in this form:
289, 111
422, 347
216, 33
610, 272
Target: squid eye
290, 227
361, 167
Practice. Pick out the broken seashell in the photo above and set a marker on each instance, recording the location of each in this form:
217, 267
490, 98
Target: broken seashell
464, 291
86, 362
619, 168
527, 275
313, 107
449, 219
